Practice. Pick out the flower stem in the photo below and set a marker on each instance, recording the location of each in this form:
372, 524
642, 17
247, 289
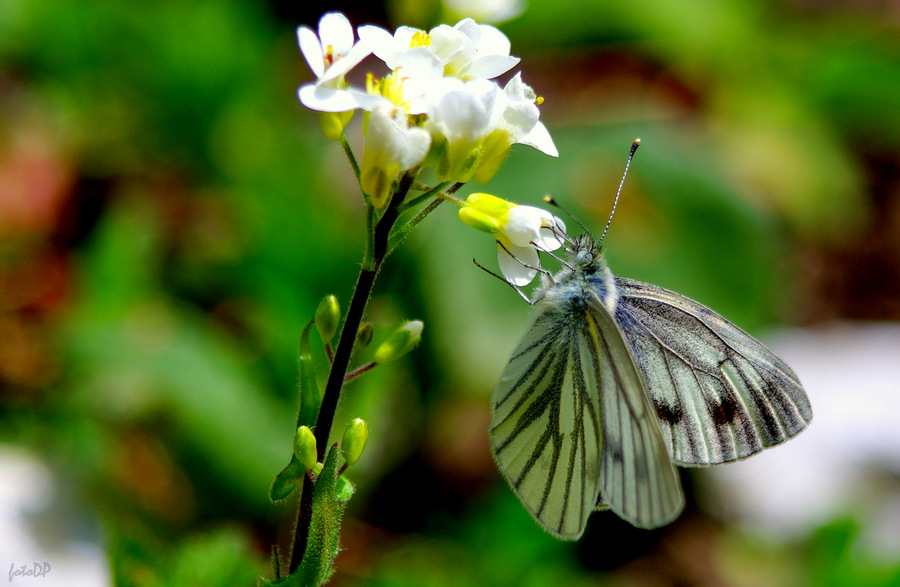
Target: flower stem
442, 196
349, 152
342, 355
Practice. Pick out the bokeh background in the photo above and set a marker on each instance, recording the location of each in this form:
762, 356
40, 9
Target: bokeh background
170, 217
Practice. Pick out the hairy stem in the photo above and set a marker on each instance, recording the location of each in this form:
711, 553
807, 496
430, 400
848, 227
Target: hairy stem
342, 355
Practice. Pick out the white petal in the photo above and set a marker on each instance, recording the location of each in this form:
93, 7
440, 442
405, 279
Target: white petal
488, 67
469, 28
418, 141
540, 139
379, 40
523, 225
353, 57
516, 89
492, 42
512, 268
551, 238
335, 30
449, 44
420, 69
466, 113
325, 99
392, 140
518, 118
403, 37
311, 49
370, 102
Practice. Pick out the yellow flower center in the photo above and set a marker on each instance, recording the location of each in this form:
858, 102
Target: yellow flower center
390, 87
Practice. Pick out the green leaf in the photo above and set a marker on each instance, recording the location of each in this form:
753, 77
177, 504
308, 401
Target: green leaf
310, 397
290, 478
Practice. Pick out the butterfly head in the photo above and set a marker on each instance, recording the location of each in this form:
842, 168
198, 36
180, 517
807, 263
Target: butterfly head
585, 250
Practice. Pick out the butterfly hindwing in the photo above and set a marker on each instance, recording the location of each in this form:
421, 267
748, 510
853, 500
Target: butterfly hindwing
720, 395
638, 479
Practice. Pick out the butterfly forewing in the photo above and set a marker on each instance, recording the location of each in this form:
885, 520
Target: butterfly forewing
545, 430
720, 395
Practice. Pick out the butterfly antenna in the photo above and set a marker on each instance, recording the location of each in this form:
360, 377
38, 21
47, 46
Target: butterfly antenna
549, 200
634, 146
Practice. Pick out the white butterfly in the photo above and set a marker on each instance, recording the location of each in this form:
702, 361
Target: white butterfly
618, 381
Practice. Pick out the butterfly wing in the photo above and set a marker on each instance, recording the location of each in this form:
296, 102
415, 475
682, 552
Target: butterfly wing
719, 393
570, 422
638, 479
545, 426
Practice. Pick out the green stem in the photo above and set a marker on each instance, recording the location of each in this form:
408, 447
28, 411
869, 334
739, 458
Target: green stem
431, 192
442, 197
342, 355
350, 156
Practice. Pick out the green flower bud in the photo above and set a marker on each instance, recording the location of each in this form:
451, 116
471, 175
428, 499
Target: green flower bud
305, 447
364, 335
354, 440
403, 340
328, 316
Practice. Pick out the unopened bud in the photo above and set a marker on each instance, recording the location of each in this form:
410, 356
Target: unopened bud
403, 340
328, 316
354, 440
305, 447
485, 212
333, 123
364, 335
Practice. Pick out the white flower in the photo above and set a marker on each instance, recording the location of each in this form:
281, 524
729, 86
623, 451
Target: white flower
417, 72
472, 51
387, 47
330, 55
518, 115
514, 120
521, 231
460, 119
468, 51
519, 260
392, 146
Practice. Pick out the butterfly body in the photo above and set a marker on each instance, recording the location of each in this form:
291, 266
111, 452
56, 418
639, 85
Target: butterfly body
618, 381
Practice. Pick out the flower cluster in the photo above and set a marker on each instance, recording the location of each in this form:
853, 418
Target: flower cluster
439, 106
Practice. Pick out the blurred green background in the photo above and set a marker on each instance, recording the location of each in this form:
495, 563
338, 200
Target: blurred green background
170, 217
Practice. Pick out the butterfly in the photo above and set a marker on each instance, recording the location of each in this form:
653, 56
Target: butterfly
615, 383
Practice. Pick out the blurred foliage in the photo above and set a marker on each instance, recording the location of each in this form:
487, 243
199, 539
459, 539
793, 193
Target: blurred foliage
170, 218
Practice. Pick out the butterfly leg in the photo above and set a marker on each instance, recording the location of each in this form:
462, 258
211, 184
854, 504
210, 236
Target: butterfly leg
501, 278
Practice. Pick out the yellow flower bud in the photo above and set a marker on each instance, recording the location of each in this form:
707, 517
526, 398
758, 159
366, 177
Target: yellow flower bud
305, 447
333, 123
485, 212
403, 340
328, 316
354, 440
